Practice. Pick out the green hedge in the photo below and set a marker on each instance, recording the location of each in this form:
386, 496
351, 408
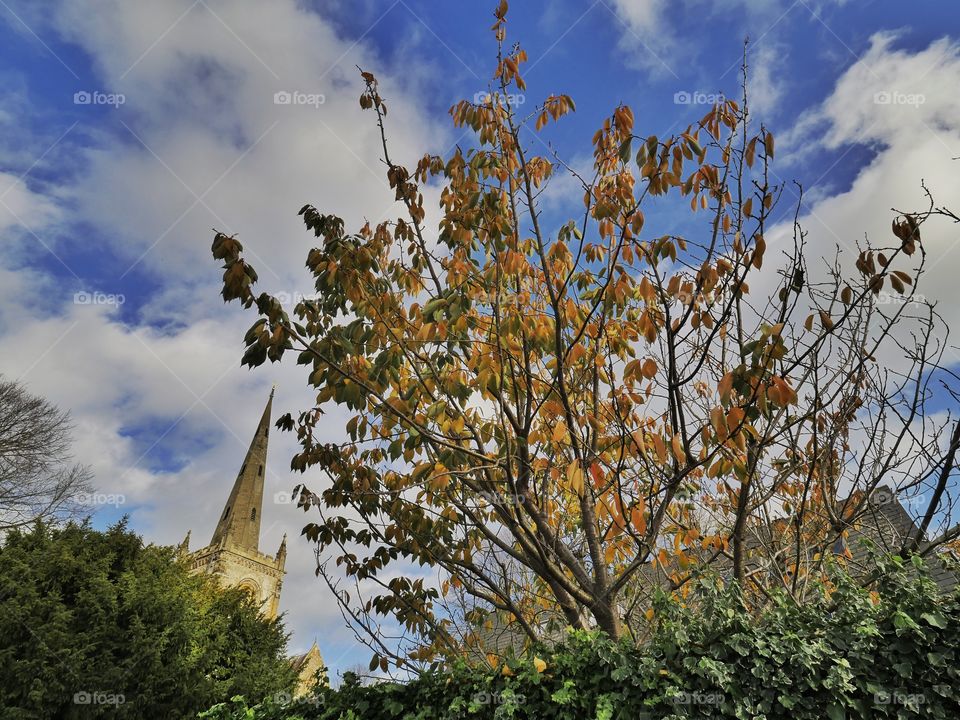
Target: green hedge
852, 655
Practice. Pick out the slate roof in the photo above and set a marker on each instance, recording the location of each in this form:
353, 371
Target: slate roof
884, 522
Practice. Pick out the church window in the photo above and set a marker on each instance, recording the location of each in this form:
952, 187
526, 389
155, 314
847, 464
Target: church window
260, 471
253, 513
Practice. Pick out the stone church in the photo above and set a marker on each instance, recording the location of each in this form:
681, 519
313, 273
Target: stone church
234, 555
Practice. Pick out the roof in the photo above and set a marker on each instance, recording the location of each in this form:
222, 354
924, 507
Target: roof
883, 521
297, 662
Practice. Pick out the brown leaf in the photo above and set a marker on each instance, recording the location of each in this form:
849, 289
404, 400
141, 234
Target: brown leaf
825, 320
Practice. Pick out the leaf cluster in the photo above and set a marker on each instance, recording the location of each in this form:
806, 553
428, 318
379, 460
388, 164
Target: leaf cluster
890, 652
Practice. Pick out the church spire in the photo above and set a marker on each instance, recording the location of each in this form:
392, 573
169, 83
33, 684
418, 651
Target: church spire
240, 521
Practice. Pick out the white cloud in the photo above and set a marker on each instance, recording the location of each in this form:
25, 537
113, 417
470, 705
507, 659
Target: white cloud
651, 41
204, 146
763, 89
905, 106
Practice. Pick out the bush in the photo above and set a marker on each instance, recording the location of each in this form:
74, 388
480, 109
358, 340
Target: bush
887, 653
95, 624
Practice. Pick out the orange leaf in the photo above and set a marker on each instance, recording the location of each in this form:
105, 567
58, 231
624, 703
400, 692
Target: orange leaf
597, 474
649, 368
559, 432
638, 518
678, 453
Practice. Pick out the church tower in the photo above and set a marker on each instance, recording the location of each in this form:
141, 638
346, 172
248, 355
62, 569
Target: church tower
233, 554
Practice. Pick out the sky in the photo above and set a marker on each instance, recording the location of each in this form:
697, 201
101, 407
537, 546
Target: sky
130, 130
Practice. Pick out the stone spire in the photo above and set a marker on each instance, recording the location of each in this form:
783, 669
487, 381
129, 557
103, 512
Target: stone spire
239, 524
184, 547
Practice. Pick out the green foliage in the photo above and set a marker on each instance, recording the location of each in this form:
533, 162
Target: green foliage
853, 654
95, 624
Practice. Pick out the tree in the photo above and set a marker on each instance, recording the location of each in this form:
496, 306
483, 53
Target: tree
37, 479
95, 624
561, 414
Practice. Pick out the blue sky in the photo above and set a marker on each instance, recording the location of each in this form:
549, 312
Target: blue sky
109, 297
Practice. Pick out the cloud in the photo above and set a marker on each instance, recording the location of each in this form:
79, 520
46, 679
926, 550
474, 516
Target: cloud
763, 89
205, 137
659, 37
646, 39
903, 106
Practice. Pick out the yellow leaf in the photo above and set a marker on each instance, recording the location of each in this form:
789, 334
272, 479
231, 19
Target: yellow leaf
678, 452
575, 477
506, 671
539, 664
718, 420
638, 439
559, 432
660, 447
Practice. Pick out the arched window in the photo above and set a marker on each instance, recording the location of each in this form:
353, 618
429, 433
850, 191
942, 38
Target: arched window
260, 471
253, 513
248, 585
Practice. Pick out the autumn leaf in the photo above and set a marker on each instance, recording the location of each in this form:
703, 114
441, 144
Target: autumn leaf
677, 446
638, 518
481, 362
575, 478
559, 433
